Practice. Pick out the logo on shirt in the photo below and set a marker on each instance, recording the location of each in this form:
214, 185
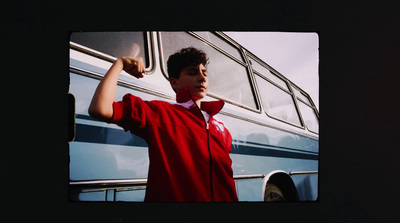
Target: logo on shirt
219, 126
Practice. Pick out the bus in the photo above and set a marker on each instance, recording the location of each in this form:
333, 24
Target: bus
273, 122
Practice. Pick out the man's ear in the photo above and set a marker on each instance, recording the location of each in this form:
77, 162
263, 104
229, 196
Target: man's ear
174, 83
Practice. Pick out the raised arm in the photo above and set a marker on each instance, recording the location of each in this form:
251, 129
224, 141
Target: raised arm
101, 105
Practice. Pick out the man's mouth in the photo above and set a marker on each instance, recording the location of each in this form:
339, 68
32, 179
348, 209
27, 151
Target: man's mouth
201, 87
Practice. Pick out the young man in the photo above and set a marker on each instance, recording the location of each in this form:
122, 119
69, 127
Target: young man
188, 146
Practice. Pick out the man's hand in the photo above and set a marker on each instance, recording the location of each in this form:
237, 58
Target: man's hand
133, 66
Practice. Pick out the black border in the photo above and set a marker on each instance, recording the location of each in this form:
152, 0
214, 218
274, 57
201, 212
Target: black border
359, 51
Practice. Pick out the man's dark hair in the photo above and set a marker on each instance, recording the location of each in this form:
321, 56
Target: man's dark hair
184, 58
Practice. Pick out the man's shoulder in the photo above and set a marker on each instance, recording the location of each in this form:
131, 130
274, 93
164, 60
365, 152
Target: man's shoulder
153, 104
164, 105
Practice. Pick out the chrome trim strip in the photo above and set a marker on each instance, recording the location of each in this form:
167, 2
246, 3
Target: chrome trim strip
85, 72
140, 183
96, 185
91, 52
152, 56
302, 172
248, 176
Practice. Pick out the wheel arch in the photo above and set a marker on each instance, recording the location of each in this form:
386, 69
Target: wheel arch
283, 180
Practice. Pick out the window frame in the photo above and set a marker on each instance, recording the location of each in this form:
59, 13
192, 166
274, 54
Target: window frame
301, 126
314, 114
306, 95
244, 63
148, 41
310, 104
289, 85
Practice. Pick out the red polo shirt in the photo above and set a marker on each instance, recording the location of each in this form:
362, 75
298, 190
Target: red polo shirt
189, 157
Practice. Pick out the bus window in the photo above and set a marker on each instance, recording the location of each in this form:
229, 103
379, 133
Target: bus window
268, 74
307, 111
115, 44
277, 103
221, 44
228, 78
309, 116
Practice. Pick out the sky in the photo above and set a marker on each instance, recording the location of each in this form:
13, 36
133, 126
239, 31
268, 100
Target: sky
295, 55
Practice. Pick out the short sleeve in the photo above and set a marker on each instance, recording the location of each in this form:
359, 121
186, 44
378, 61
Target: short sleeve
131, 114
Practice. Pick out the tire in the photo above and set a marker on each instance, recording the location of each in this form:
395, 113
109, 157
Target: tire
273, 193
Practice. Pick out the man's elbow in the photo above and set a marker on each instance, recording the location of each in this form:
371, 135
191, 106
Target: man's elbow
93, 112
100, 114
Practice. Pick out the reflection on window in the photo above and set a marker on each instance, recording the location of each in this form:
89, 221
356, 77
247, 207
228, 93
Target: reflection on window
115, 44
228, 79
277, 103
309, 116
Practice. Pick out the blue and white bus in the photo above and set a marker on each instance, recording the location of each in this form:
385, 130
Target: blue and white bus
273, 122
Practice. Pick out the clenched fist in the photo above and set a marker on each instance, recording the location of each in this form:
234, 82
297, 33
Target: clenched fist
133, 66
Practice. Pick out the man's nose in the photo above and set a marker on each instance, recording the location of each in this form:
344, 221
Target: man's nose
201, 77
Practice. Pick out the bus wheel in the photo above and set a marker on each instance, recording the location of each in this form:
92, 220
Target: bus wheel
273, 193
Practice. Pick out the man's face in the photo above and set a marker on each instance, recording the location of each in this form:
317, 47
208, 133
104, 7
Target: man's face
195, 79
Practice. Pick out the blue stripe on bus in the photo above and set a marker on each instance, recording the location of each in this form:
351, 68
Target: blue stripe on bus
96, 134
278, 147
250, 150
103, 135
